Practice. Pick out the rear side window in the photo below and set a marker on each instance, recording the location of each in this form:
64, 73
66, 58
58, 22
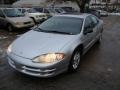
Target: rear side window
88, 22
39, 9
1, 14
94, 20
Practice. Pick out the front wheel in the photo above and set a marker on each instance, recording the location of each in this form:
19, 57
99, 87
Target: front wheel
75, 61
10, 27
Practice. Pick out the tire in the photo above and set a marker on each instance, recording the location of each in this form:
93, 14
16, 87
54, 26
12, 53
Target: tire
75, 61
10, 27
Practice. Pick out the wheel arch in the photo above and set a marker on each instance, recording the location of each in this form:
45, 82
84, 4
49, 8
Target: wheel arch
80, 47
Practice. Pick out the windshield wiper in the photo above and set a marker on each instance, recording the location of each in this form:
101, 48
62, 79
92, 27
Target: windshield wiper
41, 30
59, 32
11, 16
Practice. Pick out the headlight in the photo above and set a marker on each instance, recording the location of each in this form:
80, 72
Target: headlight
49, 58
9, 50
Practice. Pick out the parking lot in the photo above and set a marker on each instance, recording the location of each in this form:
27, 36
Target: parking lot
99, 69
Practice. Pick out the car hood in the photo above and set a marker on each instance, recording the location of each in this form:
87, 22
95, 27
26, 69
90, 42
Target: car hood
33, 43
19, 19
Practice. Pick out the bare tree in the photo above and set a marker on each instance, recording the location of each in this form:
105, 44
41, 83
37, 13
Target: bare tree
81, 3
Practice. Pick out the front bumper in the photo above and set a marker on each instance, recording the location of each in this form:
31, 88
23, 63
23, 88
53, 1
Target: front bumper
24, 26
38, 71
40, 19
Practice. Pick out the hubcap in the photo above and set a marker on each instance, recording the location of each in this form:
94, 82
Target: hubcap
76, 60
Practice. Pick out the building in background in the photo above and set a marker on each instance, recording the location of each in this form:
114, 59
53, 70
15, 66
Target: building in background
36, 1
29, 3
45, 3
108, 5
113, 4
104, 1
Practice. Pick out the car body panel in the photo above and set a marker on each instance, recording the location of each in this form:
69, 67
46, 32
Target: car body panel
37, 16
55, 41
24, 20
34, 43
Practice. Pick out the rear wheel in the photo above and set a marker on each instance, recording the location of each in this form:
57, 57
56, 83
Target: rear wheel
75, 61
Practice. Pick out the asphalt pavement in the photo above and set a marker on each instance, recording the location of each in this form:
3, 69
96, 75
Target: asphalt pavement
99, 69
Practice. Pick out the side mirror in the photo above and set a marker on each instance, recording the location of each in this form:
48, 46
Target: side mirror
88, 30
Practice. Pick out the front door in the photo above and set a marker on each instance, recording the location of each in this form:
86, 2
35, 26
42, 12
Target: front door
88, 33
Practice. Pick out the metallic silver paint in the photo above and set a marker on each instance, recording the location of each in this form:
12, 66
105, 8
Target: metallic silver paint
33, 44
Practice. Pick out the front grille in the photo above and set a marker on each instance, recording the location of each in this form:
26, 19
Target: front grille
27, 22
42, 16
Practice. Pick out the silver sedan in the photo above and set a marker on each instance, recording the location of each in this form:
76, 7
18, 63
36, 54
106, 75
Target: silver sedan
56, 45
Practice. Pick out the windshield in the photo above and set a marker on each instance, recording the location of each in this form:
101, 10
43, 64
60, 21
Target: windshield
58, 10
13, 13
51, 10
58, 24
39, 9
31, 10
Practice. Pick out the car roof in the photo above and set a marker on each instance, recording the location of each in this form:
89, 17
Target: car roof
80, 15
